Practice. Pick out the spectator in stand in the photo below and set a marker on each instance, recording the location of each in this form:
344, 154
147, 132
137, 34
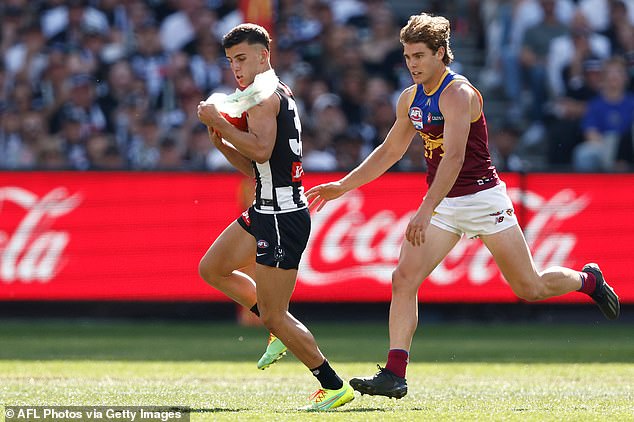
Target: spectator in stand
582, 81
15, 153
119, 86
381, 52
73, 139
503, 143
203, 23
578, 44
348, 147
620, 29
95, 61
122, 17
82, 104
50, 154
318, 151
13, 18
4, 85
340, 51
33, 128
22, 98
112, 158
507, 24
206, 64
178, 29
63, 23
144, 150
135, 14
351, 90
533, 57
608, 120
170, 154
149, 61
625, 151
328, 121
597, 12
198, 154
414, 158
102, 152
380, 116
187, 95
116, 16
27, 59
620, 32
53, 88
128, 119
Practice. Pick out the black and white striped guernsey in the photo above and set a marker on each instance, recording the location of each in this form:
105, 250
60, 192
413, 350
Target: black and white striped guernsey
279, 180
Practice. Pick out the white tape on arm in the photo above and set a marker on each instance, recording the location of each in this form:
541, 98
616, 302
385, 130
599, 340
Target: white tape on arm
237, 103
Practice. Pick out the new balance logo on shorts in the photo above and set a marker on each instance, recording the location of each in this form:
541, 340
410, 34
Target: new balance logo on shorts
499, 217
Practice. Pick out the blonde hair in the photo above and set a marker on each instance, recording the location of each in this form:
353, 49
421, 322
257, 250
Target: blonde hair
433, 31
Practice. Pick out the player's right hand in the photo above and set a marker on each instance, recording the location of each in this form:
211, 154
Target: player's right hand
318, 195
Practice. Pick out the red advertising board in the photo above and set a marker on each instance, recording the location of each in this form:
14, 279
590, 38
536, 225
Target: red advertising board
139, 236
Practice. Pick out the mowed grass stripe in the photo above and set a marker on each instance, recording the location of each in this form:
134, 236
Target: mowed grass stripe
159, 341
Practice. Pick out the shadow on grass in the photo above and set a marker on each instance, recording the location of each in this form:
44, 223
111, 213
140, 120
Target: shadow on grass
357, 342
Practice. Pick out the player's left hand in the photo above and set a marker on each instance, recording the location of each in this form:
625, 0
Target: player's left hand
215, 137
415, 232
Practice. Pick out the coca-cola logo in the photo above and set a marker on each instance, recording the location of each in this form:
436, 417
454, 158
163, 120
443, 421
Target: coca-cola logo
347, 243
32, 250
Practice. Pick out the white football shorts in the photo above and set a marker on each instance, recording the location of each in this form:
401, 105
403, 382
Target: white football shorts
486, 212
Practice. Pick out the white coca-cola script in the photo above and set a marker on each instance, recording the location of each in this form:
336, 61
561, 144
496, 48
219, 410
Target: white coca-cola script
33, 250
348, 243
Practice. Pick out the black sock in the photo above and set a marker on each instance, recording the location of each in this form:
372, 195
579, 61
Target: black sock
327, 376
255, 310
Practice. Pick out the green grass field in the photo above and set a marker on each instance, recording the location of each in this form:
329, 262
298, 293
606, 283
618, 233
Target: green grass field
457, 372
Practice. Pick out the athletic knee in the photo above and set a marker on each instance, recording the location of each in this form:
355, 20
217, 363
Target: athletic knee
271, 320
530, 295
529, 290
207, 271
403, 283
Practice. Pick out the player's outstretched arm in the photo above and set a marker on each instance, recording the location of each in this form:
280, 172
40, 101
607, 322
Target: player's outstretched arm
378, 162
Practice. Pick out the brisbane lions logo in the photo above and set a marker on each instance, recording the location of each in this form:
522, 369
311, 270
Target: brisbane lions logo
416, 117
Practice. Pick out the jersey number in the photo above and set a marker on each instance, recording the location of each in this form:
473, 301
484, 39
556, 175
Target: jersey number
295, 143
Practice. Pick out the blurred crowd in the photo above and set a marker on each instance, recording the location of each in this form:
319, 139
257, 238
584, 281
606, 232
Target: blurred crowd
114, 84
566, 71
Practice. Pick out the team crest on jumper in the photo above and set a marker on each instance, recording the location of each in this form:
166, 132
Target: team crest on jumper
416, 117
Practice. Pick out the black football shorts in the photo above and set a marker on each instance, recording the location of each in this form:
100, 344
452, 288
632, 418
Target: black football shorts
280, 238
